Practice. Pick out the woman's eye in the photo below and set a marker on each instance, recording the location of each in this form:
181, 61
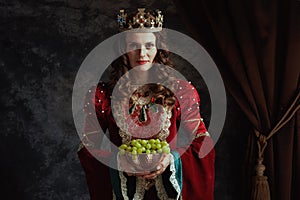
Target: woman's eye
149, 45
132, 46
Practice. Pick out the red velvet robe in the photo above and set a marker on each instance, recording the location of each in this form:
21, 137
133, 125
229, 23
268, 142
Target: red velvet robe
197, 160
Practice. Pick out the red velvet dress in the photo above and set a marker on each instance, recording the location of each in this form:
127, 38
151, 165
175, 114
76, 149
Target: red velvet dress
197, 159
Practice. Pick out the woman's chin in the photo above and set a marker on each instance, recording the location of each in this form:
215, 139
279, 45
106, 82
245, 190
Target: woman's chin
143, 68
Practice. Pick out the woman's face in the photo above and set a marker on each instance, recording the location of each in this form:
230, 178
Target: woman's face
141, 50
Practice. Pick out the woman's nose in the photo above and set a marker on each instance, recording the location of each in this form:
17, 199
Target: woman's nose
142, 51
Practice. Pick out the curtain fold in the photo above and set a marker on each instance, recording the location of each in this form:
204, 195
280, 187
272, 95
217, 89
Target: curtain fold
256, 46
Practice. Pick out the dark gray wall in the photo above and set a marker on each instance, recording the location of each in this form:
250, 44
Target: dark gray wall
42, 45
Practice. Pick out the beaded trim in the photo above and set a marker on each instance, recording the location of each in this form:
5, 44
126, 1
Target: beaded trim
85, 141
202, 135
162, 135
145, 104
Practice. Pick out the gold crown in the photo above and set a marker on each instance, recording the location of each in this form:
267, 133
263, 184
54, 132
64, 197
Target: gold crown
140, 20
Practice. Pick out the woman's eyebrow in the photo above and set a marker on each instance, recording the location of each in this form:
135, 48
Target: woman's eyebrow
132, 43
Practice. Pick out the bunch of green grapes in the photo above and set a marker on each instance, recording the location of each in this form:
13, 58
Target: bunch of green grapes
139, 146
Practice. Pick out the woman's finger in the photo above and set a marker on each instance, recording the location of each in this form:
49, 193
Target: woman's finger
153, 175
161, 167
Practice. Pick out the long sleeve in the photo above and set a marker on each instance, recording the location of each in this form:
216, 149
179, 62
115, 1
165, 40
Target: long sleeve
97, 173
198, 158
192, 173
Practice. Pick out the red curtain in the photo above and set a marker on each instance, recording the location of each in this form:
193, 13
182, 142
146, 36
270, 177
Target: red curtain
256, 45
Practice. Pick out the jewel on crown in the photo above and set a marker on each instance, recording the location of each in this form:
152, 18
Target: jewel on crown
140, 19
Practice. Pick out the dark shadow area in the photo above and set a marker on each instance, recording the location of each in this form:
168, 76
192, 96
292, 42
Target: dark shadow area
42, 46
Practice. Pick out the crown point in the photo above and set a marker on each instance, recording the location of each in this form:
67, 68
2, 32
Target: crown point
141, 19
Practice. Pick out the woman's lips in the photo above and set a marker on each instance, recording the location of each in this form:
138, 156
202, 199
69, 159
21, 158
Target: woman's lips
142, 62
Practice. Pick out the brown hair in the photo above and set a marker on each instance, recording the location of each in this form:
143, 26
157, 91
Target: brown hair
162, 94
121, 65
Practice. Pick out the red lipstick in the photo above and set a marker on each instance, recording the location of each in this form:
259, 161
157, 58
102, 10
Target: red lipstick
142, 62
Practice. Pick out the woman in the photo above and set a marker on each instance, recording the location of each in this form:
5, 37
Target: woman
144, 100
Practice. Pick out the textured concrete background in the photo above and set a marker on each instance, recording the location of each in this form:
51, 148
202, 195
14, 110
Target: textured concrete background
42, 44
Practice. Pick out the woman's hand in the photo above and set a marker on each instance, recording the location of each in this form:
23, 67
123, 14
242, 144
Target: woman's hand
160, 168
132, 171
129, 168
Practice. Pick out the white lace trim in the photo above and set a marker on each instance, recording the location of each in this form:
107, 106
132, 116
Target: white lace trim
123, 180
161, 192
123, 185
140, 191
114, 195
140, 182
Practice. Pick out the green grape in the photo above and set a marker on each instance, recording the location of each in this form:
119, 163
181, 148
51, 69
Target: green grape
122, 151
164, 143
134, 148
152, 141
140, 150
134, 152
138, 140
144, 142
138, 145
133, 142
143, 149
158, 146
148, 146
123, 146
128, 148
166, 150
153, 146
